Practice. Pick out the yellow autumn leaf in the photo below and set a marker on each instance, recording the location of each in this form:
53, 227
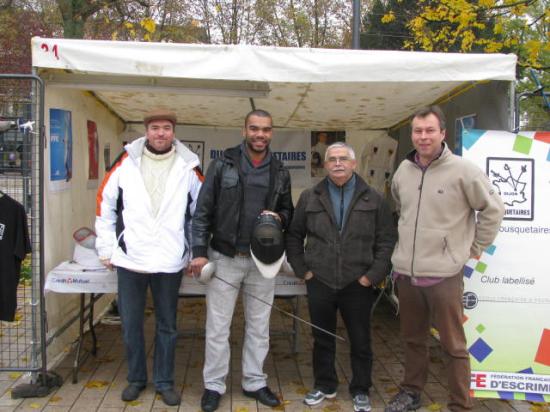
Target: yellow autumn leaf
533, 48
241, 409
96, 384
148, 24
54, 399
134, 403
388, 17
15, 375
435, 407
128, 25
301, 390
539, 407
35, 405
486, 3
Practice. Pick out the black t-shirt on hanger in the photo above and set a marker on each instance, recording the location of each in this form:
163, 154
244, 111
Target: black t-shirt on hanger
14, 245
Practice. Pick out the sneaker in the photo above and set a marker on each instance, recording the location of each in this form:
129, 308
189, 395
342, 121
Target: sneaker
317, 396
361, 403
404, 401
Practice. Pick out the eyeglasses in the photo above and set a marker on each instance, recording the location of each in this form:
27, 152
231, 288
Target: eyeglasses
336, 159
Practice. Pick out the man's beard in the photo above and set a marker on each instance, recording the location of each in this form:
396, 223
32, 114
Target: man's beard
251, 147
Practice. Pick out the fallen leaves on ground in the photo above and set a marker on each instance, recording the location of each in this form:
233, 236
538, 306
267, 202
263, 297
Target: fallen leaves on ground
96, 384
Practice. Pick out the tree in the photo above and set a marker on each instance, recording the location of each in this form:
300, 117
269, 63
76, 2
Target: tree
19, 24
386, 24
519, 26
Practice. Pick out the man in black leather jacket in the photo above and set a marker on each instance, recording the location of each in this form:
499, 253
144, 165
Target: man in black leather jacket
242, 184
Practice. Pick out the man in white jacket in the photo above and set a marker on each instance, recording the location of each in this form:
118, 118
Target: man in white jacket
143, 217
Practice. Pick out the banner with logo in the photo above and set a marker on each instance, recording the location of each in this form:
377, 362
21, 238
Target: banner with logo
507, 290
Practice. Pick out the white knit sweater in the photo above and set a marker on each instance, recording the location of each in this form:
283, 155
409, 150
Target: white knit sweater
155, 169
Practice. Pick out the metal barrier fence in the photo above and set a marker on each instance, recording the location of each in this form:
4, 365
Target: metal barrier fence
23, 338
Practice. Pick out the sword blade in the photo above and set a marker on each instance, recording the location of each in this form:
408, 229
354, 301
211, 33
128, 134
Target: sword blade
293, 316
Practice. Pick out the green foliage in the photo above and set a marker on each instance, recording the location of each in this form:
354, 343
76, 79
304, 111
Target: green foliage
26, 270
385, 24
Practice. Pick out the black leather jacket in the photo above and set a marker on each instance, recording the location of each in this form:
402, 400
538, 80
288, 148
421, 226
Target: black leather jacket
219, 203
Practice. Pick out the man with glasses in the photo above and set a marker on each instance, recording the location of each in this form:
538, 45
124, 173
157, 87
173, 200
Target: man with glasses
437, 195
350, 238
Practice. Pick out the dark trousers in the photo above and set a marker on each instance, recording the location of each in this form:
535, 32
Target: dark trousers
132, 292
354, 302
442, 305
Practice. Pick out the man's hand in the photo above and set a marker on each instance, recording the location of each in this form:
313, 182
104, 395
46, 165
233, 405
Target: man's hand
107, 263
269, 212
196, 266
308, 275
364, 281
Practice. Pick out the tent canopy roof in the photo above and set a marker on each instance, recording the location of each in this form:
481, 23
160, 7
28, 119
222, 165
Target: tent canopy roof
319, 89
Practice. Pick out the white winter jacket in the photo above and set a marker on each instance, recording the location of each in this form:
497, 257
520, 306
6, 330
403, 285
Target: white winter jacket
127, 231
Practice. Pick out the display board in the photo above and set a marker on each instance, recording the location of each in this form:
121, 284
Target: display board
507, 290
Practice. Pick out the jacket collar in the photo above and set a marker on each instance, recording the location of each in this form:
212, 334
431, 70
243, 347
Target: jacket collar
321, 189
445, 152
135, 151
360, 186
234, 155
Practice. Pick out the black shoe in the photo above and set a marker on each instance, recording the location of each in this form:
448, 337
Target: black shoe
264, 396
131, 392
170, 397
210, 400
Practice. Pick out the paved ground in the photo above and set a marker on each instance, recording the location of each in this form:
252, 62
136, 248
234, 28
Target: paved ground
101, 379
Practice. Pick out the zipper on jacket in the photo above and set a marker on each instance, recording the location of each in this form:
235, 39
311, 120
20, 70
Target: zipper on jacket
341, 209
420, 187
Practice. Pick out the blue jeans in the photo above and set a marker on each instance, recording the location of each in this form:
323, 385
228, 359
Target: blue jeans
132, 292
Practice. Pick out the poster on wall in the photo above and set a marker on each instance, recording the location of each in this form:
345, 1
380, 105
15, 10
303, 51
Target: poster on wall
320, 141
61, 150
289, 146
196, 147
506, 290
93, 155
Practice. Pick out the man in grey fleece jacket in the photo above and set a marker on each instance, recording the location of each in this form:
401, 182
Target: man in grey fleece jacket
437, 195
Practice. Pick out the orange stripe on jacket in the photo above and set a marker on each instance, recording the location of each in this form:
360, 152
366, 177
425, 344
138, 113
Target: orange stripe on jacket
199, 174
99, 197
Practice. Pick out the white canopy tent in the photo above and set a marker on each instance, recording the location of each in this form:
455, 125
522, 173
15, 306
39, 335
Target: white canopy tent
211, 88
211, 85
